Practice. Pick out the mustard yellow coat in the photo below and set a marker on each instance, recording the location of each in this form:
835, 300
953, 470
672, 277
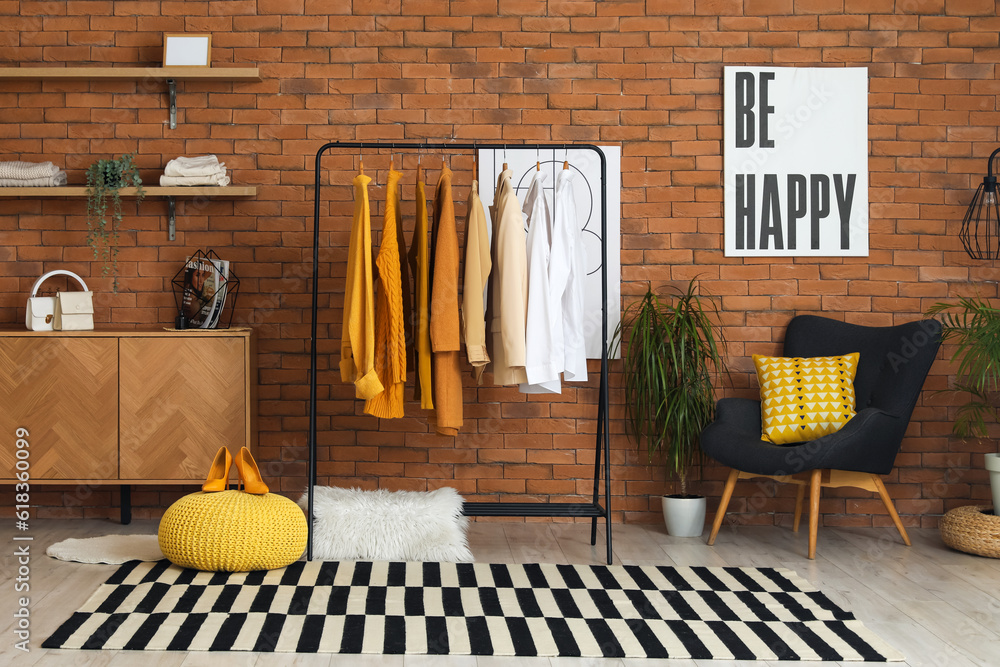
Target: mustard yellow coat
420, 267
357, 343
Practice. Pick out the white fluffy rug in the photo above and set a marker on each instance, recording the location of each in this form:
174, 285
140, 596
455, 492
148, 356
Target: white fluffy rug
352, 524
113, 549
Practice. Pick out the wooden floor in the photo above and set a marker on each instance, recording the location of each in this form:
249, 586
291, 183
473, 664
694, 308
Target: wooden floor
937, 606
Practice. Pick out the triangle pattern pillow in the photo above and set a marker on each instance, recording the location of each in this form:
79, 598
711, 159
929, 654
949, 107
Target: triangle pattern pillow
805, 398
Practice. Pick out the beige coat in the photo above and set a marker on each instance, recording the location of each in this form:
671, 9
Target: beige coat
477, 273
509, 295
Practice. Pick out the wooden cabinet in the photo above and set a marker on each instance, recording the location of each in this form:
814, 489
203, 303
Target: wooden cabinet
126, 407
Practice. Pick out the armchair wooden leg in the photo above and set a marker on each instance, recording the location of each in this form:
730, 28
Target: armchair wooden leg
720, 514
800, 492
887, 501
814, 487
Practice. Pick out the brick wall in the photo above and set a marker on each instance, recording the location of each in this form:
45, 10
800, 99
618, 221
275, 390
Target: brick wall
645, 75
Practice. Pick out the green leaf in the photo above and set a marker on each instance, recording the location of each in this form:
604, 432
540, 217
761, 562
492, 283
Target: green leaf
671, 352
104, 180
974, 326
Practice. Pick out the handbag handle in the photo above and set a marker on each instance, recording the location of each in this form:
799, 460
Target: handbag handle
57, 272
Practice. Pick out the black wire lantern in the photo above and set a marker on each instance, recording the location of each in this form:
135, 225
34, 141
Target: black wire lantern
981, 227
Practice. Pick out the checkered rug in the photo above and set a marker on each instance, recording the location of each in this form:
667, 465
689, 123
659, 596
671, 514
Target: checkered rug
472, 609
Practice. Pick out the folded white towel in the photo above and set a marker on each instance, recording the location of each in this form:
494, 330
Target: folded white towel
202, 165
45, 181
214, 179
27, 170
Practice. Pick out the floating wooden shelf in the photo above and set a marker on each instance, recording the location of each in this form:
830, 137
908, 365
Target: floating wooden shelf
170, 192
169, 75
177, 73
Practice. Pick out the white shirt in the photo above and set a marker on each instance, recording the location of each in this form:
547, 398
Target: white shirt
543, 361
567, 271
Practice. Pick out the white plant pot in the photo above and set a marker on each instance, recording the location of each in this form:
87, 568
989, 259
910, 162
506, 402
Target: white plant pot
684, 517
993, 466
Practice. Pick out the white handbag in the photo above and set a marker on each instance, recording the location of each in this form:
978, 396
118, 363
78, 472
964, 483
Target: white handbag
66, 311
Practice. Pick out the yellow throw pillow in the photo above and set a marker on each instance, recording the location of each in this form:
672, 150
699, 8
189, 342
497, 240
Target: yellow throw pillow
805, 398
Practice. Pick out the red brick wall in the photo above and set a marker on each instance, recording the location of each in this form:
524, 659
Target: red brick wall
645, 75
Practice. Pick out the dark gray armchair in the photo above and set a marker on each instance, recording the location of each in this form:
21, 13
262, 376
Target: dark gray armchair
893, 363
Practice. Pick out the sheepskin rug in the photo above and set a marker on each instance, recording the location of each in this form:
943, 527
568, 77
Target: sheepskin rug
113, 549
353, 524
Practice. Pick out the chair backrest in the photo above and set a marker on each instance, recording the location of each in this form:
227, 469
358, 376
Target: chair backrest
893, 362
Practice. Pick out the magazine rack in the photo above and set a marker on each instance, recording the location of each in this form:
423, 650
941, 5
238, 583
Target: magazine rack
213, 308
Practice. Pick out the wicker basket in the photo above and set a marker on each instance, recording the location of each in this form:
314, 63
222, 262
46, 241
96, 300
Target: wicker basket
968, 529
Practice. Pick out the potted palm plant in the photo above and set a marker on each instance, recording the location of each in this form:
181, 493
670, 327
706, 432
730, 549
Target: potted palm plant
671, 352
105, 179
974, 325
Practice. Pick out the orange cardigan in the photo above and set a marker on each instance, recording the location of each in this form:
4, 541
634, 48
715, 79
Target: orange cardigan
446, 337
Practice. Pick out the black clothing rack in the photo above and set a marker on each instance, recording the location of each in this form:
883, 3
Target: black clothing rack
528, 509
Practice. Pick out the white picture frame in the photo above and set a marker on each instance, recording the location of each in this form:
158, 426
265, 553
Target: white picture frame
796, 154
187, 50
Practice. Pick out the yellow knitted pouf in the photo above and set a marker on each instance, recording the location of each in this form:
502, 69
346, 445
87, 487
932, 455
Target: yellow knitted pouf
233, 531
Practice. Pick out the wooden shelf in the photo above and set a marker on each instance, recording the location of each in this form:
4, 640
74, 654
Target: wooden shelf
168, 75
170, 192
177, 73
151, 191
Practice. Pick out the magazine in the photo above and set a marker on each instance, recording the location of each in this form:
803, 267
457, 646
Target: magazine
204, 290
222, 289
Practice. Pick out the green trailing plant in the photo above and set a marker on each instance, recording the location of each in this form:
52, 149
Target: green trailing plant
974, 326
670, 352
105, 179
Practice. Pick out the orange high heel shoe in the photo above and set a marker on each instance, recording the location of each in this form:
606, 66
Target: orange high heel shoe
218, 474
250, 474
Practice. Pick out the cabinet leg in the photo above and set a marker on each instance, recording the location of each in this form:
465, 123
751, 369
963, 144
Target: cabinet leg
126, 503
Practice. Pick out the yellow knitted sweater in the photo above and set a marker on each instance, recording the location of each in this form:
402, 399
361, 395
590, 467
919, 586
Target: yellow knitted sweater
390, 331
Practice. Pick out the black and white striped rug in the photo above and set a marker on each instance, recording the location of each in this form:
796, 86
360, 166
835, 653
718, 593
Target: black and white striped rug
472, 609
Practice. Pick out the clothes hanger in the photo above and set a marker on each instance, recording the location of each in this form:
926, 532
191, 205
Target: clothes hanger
504, 157
420, 169
361, 163
475, 162
538, 160
565, 157
392, 149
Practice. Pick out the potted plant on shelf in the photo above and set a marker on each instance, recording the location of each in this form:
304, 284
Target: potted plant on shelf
974, 325
670, 352
105, 179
